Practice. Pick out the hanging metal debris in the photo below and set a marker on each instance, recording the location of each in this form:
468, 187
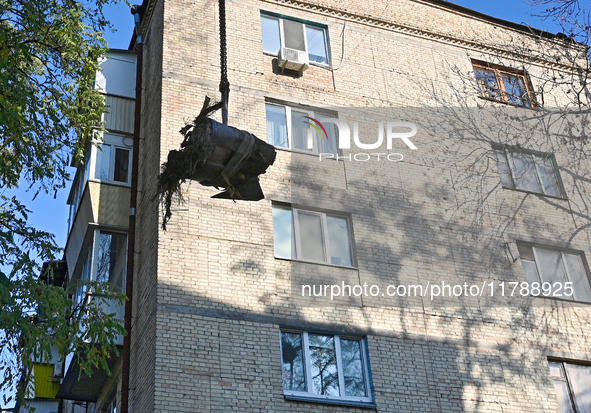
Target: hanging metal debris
217, 155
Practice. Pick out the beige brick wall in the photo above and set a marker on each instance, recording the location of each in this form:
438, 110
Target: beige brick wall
210, 297
143, 370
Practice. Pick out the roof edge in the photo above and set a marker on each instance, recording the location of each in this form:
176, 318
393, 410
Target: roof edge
512, 25
147, 6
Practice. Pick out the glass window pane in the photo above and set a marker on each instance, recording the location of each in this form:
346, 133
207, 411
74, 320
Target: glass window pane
85, 276
556, 370
552, 270
580, 383
325, 378
299, 130
339, 240
283, 233
293, 33
103, 163
548, 175
564, 402
293, 362
121, 167
277, 126
271, 36
353, 368
526, 252
86, 166
327, 145
578, 276
110, 257
311, 236
525, 173
515, 89
86, 269
487, 83
504, 169
316, 45
530, 270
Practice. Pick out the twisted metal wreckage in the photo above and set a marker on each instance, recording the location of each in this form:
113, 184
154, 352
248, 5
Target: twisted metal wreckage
217, 155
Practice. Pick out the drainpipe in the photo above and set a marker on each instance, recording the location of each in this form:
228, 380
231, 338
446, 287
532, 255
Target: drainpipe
125, 368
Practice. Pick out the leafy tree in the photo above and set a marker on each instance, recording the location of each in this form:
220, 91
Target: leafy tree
49, 109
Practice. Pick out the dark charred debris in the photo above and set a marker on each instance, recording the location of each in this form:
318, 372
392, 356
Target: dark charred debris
217, 155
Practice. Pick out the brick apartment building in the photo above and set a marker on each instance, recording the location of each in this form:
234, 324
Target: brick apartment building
494, 199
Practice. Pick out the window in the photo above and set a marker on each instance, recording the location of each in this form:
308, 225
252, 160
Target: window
77, 190
279, 32
572, 383
109, 162
112, 159
503, 84
324, 366
112, 407
555, 273
529, 171
312, 236
105, 262
109, 260
292, 128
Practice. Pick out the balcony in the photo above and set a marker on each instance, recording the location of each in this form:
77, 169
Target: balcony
102, 205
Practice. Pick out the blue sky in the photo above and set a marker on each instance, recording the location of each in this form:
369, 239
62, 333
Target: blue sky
51, 214
515, 11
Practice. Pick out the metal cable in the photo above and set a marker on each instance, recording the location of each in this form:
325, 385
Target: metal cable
223, 46
343, 48
224, 83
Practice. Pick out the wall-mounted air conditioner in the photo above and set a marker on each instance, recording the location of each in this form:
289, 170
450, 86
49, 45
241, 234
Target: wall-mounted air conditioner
293, 59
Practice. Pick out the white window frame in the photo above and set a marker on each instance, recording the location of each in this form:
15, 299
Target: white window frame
323, 228
90, 266
312, 114
304, 25
82, 290
564, 267
87, 169
115, 141
95, 257
308, 371
325, 236
509, 151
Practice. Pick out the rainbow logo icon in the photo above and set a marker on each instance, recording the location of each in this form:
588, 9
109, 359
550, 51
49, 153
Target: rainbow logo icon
316, 127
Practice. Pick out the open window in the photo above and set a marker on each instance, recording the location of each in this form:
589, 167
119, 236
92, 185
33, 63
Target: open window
280, 32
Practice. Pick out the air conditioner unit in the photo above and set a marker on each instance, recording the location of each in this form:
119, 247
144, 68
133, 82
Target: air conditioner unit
58, 369
293, 59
